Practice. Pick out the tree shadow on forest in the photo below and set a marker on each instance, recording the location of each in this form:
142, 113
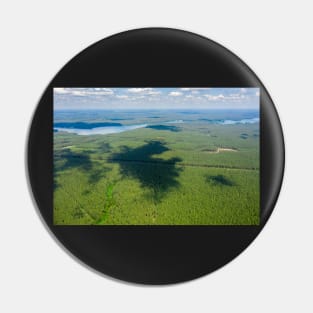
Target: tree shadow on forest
219, 180
55, 183
73, 159
104, 147
156, 174
78, 160
165, 127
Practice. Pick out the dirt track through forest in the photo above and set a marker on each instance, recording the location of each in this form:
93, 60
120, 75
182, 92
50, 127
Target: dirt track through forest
180, 164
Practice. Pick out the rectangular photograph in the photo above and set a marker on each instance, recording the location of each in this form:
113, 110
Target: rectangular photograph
156, 156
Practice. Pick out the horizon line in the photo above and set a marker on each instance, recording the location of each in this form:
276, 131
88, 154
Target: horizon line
154, 109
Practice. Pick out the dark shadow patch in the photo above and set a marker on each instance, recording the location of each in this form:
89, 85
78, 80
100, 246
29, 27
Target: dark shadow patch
219, 180
78, 160
96, 174
73, 159
156, 174
244, 136
209, 150
164, 127
78, 214
55, 183
104, 147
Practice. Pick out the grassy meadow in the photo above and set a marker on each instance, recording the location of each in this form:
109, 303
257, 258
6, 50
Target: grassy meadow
181, 168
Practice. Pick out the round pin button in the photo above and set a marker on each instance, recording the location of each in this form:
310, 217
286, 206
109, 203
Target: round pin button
155, 156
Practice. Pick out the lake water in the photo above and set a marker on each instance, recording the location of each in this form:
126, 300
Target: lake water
121, 128
175, 122
222, 122
100, 130
243, 121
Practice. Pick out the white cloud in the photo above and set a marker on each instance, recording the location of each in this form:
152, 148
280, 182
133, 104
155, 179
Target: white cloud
101, 92
78, 93
236, 96
194, 89
175, 94
84, 91
214, 98
143, 91
139, 90
231, 97
155, 97
152, 93
60, 90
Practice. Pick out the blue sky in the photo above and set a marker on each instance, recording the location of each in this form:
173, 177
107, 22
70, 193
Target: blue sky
155, 98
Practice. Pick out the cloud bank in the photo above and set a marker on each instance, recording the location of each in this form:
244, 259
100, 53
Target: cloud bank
155, 98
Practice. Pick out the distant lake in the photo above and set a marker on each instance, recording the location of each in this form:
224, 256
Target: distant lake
243, 121
222, 122
100, 130
103, 123
175, 122
93, 129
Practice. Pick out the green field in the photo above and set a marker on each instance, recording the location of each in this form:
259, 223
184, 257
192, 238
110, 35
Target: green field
196, 172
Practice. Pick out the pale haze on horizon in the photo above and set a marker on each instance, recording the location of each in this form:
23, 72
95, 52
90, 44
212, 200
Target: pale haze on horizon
155, 98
